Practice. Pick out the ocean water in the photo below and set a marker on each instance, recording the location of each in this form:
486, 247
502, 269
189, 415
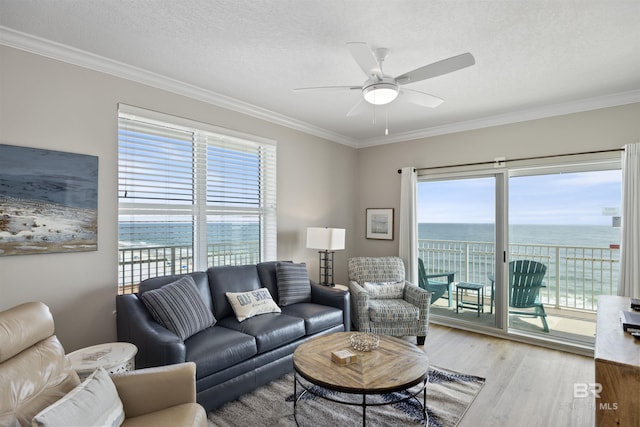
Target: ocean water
566, 235
145, 234
148, 233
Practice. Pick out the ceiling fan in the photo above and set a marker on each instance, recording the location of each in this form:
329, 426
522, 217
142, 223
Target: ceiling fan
381, 89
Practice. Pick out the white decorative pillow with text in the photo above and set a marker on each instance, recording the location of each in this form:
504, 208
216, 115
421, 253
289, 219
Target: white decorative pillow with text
252, 303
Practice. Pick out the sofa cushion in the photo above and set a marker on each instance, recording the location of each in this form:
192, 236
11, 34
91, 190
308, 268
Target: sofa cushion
179, 307
230, 278
218, 348
95, 402
34, 322
270, 330
317, 318
392, 310
248, 304
384, 290
293, 283
24, 389
269, 278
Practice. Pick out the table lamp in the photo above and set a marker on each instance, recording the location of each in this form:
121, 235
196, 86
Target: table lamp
327, 240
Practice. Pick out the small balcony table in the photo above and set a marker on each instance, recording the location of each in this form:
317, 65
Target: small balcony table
474, 287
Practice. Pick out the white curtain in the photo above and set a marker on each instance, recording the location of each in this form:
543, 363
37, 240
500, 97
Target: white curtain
629, 283
408, 240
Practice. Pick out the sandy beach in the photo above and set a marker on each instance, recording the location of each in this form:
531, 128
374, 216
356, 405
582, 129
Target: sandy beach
31, 226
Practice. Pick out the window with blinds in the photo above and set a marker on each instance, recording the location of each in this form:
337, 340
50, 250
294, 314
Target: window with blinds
191, 196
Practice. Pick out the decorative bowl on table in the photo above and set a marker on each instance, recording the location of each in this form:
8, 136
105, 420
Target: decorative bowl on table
364, 341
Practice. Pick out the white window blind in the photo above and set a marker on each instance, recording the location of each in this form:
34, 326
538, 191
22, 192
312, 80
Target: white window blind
191, 196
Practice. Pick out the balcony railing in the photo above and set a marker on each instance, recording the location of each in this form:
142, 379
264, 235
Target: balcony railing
576, 275
138, 264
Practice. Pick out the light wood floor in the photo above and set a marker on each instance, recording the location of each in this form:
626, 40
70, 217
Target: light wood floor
526, 385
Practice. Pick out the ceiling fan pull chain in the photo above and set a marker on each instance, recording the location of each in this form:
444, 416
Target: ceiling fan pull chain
386, 122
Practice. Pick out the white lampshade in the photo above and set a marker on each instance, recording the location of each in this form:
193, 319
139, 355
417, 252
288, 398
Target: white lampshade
326, 239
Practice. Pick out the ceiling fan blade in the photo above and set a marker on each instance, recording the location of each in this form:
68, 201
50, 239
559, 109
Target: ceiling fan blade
359, 108
329, 88
365, 58
420, 98
439, 68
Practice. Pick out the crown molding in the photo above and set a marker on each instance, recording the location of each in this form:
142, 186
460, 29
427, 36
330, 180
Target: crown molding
64, 53
595, 103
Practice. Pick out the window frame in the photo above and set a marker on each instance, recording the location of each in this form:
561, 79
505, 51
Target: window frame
261, 165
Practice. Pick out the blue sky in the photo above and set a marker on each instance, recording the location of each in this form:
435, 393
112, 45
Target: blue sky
570, 198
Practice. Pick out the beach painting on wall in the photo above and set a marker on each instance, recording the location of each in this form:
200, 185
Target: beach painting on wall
48, 201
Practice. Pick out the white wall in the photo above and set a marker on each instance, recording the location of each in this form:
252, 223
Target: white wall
54, 105
379, 183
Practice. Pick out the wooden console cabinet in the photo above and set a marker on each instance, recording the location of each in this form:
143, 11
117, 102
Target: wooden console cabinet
617, 364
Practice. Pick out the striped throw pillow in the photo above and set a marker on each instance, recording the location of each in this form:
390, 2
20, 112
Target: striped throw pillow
293, 283
179, 307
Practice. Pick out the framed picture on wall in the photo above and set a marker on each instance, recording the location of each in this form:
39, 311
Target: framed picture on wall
48, 201
380, 223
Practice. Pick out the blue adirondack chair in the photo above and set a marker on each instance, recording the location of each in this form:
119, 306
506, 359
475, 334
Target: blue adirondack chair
437, 289
525, 281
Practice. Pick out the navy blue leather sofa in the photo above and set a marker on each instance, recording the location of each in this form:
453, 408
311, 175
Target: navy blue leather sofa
231, 357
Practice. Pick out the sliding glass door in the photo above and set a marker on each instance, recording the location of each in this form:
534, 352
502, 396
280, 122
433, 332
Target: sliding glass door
565, 221
457, 245
526, 250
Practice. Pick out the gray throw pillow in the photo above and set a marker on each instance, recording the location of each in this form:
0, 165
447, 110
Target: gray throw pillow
293, 283
179, 307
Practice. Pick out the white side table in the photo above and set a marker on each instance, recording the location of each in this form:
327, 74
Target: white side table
341, 287
114, 357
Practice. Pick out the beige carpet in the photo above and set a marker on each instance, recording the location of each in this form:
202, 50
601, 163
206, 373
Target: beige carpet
449, 395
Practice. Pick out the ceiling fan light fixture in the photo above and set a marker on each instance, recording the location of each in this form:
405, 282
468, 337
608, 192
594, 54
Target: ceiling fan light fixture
380, 93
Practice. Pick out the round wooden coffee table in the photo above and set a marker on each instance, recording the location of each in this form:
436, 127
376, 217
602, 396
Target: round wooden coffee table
395, 366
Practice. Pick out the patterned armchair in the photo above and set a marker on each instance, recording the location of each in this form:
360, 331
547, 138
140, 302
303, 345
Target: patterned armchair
383, 302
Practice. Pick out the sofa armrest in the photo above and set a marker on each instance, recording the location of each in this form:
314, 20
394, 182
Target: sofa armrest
325, 295
149, 390
421, 299
157, 346
359, 306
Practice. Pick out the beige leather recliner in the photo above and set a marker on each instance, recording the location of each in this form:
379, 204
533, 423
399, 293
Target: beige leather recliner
34, 373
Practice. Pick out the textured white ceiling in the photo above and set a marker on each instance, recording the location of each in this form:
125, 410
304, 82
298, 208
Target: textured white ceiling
530, 55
